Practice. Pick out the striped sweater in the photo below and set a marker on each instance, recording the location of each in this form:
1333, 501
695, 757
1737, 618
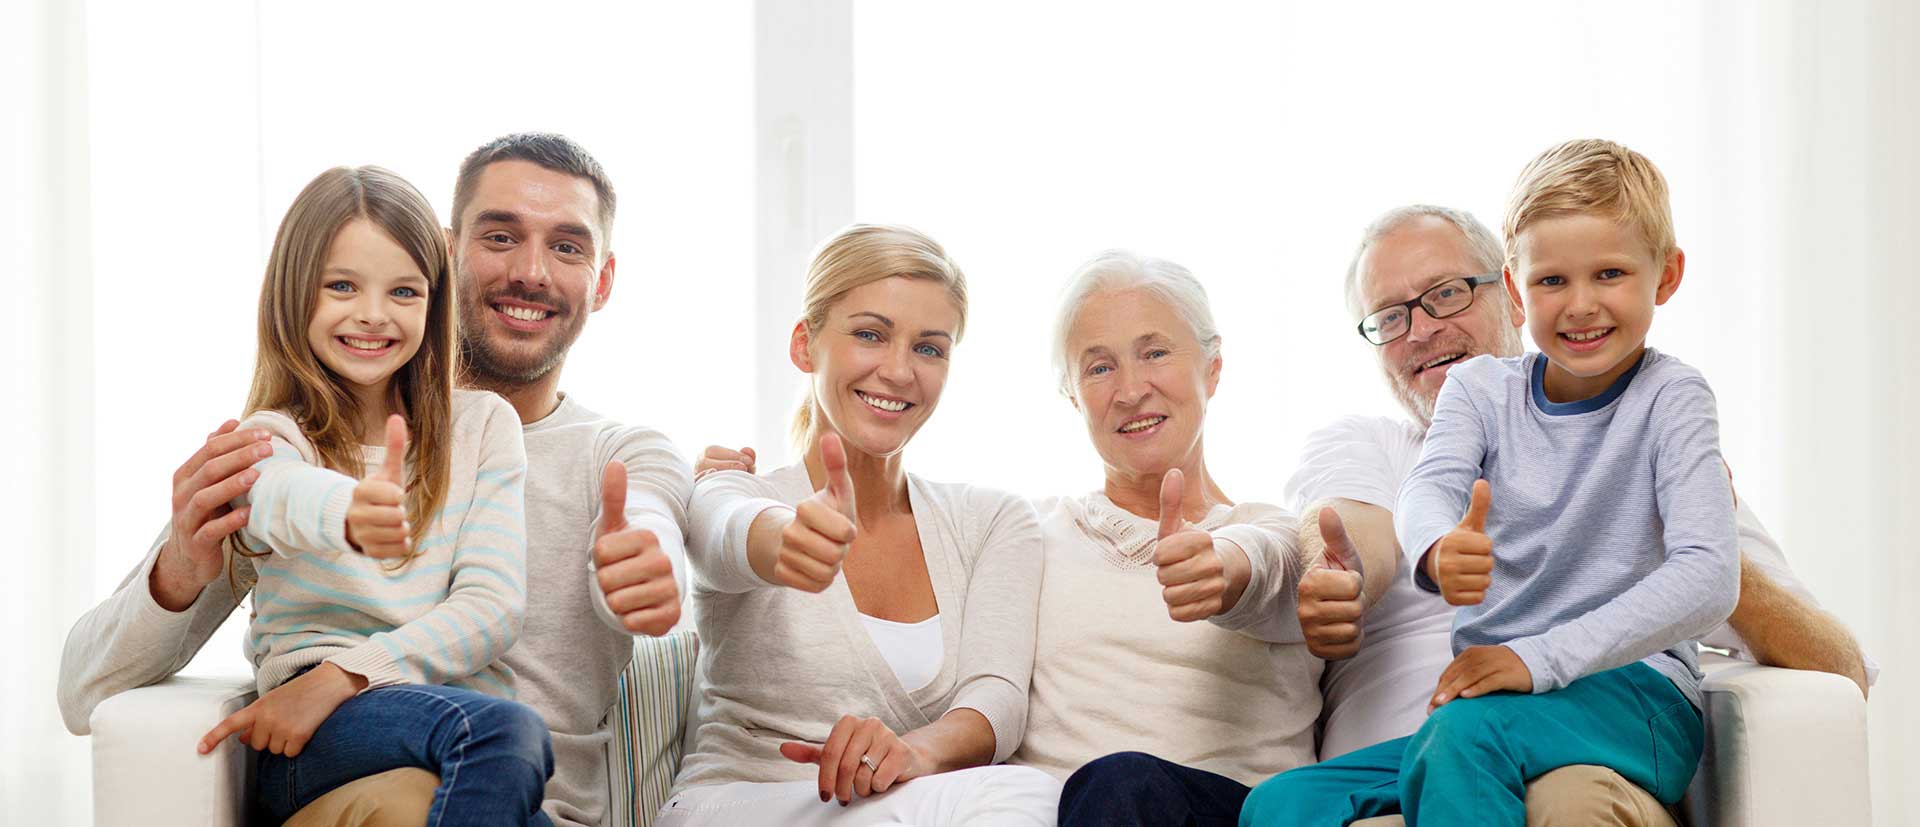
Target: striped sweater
445, 617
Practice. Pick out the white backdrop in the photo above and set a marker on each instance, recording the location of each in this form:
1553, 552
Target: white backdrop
1250, 142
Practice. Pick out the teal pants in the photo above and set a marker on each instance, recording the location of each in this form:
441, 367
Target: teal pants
1471, 761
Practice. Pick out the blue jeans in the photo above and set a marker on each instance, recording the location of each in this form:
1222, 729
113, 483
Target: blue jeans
493, 756
1129, 788
1469, 764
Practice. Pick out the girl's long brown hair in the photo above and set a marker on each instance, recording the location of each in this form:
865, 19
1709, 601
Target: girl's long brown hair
289, 378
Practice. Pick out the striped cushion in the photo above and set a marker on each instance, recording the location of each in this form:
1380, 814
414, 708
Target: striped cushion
649, 717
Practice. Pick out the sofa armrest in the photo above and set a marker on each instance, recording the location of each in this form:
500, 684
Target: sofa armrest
1784, 747
146, 769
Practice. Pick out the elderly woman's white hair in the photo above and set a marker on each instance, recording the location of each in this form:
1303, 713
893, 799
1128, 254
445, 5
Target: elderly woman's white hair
1124, 270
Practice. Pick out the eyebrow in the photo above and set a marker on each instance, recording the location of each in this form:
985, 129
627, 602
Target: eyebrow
888, 324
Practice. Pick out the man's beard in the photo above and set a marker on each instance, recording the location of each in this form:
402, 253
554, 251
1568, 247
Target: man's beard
486, 365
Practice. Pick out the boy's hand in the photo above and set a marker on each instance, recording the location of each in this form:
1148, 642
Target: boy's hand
282, 720
634, 574
1331, 604
816, 541
1478, 671
1462, 560
1191, 571
377, 517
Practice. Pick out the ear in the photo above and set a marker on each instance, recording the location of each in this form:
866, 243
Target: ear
1213, 372
1670, 274
799, 346
1519, 309
603, 288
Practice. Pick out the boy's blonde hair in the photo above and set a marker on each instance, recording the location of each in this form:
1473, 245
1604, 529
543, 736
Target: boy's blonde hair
1592, 177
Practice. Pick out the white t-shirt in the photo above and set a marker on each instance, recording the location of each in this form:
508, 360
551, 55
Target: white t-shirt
1381, 693
913, 650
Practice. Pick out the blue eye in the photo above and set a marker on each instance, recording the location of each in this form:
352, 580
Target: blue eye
929, 350
338, 286
1158, 353
405, 292
1612, 273
866, 336
1553, 281
1098, 370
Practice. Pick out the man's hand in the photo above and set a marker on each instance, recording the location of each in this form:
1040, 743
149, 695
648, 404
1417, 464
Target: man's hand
1331, 603
716, 458
1478, 671
814, 544
1189, 568
1462, 560
282, 720
203, 487
634, 574
377, 518
890, 759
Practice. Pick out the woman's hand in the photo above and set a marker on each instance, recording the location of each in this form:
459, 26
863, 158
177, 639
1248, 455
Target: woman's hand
1193, 575
282, 720
861, 758
815, 542
716, 458
377, 517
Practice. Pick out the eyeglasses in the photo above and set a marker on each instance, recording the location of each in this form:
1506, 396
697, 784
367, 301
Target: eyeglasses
1440, 301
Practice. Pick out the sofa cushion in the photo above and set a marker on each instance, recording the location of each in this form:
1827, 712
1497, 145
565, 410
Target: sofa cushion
649, 717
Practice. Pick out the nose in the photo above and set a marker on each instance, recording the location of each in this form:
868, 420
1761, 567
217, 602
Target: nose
897, 368
1422, 326
1582, 300
1134, 388
371, 310
529, 268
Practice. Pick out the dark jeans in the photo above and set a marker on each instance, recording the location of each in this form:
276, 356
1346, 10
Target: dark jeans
493, 756
1133, 788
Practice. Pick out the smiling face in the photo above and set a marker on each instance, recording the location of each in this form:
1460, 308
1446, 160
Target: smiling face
1400, 266
371, 312
1588, 285
532, 262
1141, 381
879, 361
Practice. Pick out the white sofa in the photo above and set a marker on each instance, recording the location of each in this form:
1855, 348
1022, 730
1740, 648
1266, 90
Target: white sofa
1785, 748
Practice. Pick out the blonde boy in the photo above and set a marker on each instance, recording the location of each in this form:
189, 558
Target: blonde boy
1598, 540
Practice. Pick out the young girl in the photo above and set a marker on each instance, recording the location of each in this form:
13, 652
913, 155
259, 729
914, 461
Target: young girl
390, 579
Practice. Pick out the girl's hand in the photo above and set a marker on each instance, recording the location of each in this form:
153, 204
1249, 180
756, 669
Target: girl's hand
717, 458
843, 775
815, 542
282, 720
377, 517
1481, 670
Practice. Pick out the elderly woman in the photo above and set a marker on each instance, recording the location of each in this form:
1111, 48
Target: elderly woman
867, 634
1132, 567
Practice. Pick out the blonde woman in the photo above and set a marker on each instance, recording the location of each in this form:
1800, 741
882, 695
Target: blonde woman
867, 634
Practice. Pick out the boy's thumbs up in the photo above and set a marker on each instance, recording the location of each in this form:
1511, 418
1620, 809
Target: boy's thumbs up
1476, 519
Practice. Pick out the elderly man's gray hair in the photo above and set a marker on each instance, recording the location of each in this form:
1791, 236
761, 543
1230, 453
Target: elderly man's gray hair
1123, 270
1482, 244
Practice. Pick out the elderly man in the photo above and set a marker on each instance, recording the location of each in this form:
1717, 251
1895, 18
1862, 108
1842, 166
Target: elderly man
1425, 289
605, 503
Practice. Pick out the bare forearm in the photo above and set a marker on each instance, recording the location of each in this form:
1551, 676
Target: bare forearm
1782, 630
1371, 529
962, 738
172, 582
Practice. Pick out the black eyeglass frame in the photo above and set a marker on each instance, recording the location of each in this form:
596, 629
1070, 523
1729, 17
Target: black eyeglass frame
1420, 301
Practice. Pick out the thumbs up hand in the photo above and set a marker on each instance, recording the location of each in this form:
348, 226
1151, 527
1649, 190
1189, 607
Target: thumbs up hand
1194, 578
633, 572
1330, 604
813, 545
1462, 560
377, 517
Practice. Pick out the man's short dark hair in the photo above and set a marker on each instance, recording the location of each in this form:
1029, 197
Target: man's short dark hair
548, 150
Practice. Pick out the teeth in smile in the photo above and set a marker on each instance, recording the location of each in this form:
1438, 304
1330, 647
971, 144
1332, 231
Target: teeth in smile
891, 405
1588, 336
1447, 358
1141, 424
364, 344
525, 314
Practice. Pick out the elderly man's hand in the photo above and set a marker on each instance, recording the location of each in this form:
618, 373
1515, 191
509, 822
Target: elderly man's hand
1191, 571
1331, 603
1462, 560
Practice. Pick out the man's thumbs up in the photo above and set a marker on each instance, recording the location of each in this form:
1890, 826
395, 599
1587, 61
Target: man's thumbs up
1463, 559
633, 573
816, 541
1330, 605
377, 516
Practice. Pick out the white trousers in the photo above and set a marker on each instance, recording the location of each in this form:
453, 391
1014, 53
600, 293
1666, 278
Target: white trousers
993, 796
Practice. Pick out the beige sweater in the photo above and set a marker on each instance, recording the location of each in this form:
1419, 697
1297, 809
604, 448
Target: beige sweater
1113, 673
779, 664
